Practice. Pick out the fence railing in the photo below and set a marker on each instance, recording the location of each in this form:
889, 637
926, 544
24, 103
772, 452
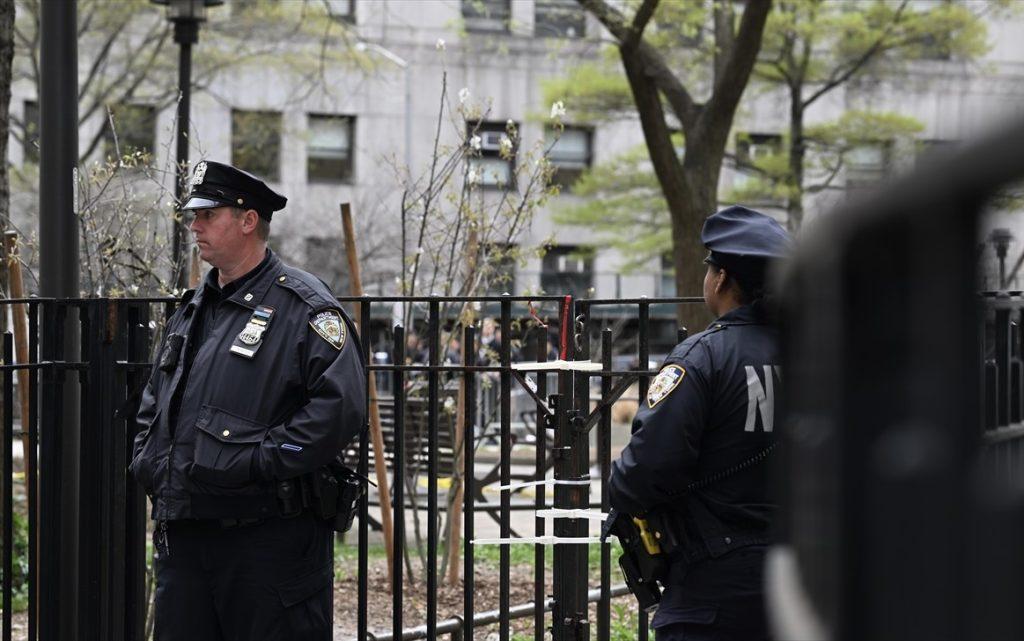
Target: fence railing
77, 524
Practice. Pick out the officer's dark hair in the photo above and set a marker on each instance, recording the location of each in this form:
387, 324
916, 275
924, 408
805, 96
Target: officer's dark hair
262, 224
750, 288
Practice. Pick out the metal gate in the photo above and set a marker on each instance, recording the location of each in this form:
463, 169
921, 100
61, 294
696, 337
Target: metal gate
77, 525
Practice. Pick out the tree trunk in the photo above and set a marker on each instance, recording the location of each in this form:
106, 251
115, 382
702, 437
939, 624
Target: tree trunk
797, 152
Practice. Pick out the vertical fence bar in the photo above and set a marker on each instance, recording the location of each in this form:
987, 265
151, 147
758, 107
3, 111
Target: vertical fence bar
579, 460
540, 499
506, 469
1002, 336
469, 476
643, 354
92, 556
433, 342
8, 482
52, 532
362, 579
137, 350
31, 470
604, 455
398, 484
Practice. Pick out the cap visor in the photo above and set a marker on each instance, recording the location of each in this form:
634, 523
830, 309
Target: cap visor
198, 202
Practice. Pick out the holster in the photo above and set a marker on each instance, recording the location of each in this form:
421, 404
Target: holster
332, 493
643, 562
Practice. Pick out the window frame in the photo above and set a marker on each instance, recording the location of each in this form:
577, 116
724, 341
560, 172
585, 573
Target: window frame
485, 154
553, 7
476, 16
274, 176
587, 275
588, 132
350, 164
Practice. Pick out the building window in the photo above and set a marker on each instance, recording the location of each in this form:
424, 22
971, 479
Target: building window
134, 130
493, 165
329, 156
667, 276
30, 125
343, 10
256, 142
559, 19
487, 15
570, 154
567, 269
751, 148
866, 164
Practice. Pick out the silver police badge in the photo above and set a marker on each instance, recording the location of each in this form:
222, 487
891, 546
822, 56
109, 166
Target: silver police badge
329, 325
667, 380
252, 333
199, 174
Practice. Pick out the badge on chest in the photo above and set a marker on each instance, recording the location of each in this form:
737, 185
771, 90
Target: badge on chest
250, 339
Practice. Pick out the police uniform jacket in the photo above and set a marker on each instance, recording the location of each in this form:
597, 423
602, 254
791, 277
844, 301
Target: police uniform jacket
217, 429
709, 414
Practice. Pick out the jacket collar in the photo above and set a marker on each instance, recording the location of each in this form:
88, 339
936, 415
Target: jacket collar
742, 315
252, 291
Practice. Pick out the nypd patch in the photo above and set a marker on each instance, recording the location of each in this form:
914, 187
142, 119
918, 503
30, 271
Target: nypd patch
667, 380
330, 326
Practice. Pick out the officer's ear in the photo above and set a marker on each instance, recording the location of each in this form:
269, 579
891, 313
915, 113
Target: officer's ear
721, 281
250, 220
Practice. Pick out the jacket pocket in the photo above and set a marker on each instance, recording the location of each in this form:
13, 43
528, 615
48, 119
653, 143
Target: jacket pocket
143, 463
224, 448
307, 604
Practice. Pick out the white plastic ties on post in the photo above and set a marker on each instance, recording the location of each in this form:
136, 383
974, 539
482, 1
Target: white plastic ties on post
548, 482
574, 513
559, 365
543, 540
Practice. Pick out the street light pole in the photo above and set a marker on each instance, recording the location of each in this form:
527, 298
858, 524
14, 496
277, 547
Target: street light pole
186, 16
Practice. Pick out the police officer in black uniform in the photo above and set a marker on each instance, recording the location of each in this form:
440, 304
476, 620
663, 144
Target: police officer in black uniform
258, 384
699, 440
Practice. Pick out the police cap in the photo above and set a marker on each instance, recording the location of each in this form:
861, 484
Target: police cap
215, 184
743, 241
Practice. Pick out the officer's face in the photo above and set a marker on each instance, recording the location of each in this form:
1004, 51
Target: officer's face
218, 234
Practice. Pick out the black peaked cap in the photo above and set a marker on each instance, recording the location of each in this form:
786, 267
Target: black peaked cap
215, 184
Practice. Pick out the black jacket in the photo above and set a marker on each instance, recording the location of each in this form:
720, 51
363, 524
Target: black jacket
712, 407
218, 428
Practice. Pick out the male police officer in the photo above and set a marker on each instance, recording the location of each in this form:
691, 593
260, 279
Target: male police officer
257, 385
699, 438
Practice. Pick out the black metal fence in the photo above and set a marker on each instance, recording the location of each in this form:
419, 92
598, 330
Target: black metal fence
75, 524
903, 507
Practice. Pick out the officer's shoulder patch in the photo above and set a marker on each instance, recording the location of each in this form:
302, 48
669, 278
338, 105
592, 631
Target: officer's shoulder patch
330, 326
667, 380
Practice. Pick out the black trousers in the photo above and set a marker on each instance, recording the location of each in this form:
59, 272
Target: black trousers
272, 581
715, 600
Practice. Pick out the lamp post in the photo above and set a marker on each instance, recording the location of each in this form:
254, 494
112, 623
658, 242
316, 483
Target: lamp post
1000, 239
186, 16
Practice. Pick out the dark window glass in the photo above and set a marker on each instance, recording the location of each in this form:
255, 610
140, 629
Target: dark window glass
866, 164
329, 155
135, 130
559, 19
325, 258
493, 165
570, 154
487, 15
753, 147
567, 269
344, 10
667, 282
256, 142
30, 120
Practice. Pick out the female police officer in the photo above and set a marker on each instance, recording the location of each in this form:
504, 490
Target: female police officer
699, 439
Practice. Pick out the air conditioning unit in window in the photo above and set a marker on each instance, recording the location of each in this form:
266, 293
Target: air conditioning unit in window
491, 140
